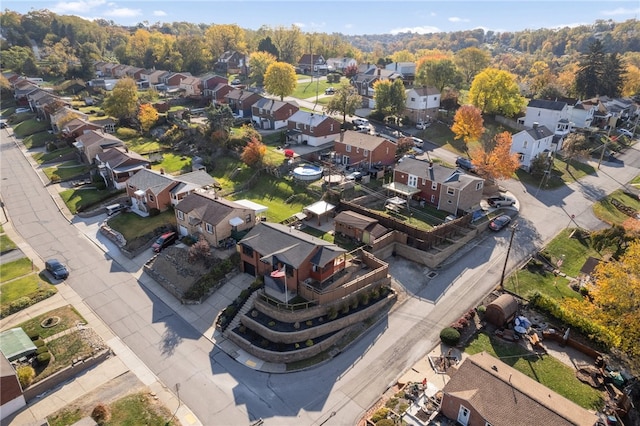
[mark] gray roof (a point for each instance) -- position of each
(354, 219)
(289, 245)
(538, 132)
(544, 104)
(361, 140)
(209, 209)
(436, 173)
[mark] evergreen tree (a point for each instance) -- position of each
(599, 73)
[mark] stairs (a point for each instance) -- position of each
(243, 310)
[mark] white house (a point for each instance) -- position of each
(554, 115)
(581, 114)
(340, 64)
(530, 142)
(422, 103)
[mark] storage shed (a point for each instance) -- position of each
(501, 310)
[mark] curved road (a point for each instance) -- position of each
(221, 391)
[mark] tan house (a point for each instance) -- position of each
(486, 391)
(216, 219)
(357, 226)
(116, 165)
(93, 142)
(191, 86)
(364, 150)
(450, 190)
(63, 115)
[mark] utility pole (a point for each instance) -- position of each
(504, 268)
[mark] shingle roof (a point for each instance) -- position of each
(354, 219)
(504, 396)
(538, 132)
(207, 208)
(544, 104)
(361, 140)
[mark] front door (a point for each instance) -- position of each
(463, 416)
(345, 159)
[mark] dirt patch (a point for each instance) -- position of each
(173, 264)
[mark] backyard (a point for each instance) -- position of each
(68, 315)
(20, 284)
(606, 211)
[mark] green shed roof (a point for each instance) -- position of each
(14, 343)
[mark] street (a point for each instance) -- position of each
(221, 391)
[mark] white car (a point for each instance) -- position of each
(501, 201)
(363, 129)
(361, 122)
(21, 110)
(422, 126)
(417, 141)
(626, 132)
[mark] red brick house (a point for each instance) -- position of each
(116, 165)
(312, 64)
(312, 129)
(240, 101)
(11, 398)
(363, 150)
(173, 79)
(218, 93)
(77, 127)
(486, 391)
(270, 114)
(450, 190)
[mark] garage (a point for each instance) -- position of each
(249, 268)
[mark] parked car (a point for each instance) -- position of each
(164, 240)
(57, 269)
(21, 110)
(625, 132)
(465, 164)
(355, 176)
(115, 208)
(499, 222)
(501, 201)
(422, 126)
(417, 141)
(363, 129)
(3, 124)
(329, 91)
(236, 82)
(361, 122)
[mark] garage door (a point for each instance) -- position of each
(249, 268)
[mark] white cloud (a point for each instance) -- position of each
(620, 11)
(418, 30)
(299, 25)
(123, 12)
(159, 13)
(64, 7)
(457, 19)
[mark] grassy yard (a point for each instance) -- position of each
(30, 126)
(15, 269)
(606, 211)
(306, 90)
(37, 140)
(274, 157)
(43, 157)
(172, 163)
(143, 144)
(635, 181)
(64, 350)
(65, 171)
(130, 225)
(69, 318)
(22, 287)
(6, 244)
(547, 370)
(230, 172)
(79, 199)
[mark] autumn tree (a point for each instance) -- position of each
(254, 153)
(351, 70)
(122, 102)
(437, 73)
(288, 41)
(147, 116)
(632, 81)
(575, 146)
(280, 79)
(613, 240)
(390, 97)
(471, 61)
(496, 92)
(599, 73)
(468, 124)
(267, 46)
(221, 38)
(403, 56)
(497, 162)
(345, 101)
(258, 64)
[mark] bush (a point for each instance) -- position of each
(309, 343)
(385, 422)
(34, 335)
(39, 343)
(450, 336)
(26, 374)
(43, 359)
(153, 212)
(42, 349)
(482, 310)
(380, 414)
(101, 414)
(332, 313)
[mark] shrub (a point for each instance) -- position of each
(39, 343)
(345, 308)
(309, 343)
(242, 329)
(482, 310)
(153, 212)
(33, 335)
(380, 414)
(254, 313)
(332, 313)
(26, 374)
(363, 298)
(43, 359)
(385, 422)
(272, 323)
(450, 336)
(391, 403)
(296, 325)
(101, 414)
(309, 323)
(42, 349)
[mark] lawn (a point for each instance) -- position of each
(43, 157)
(230, 172)
(37, 140)
(318, 233)
(131, 226)
(607, 212)
(574, 251)
(22, 287)
(172, 163)
(15, 269)
(547, 370)
(6, 244)
(306, 90)
(79, 199)
(65, 171)
(143, 144)
(30, 126)
(635, 181)
(69, 318)
(273, 157)
(525, 282)
(64, 350)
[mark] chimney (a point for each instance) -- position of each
(535, 124)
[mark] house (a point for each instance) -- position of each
(210, 80)
(581, 113)
(232, 62)
(172, 79)
(340, 64)
(312, 64)
(218, 93)
(554, 115)
(240, 101)
(116, 165)
(362, 150)
(92, 142)
(529, 143)
(191, 86)
(63, 115)
(357, 226)
(134, 72)
(449, 190)
(312, 129)
(406, 69)
(270, 114)
(214, 218)
(149, 189)
(152, 77)
(21, 88)
(486, 391)
(364, 81)
(119, 71)
(11, 397)
(422, 104)
(76, 127)
(107, 124)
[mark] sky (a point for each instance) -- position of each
(352, 17)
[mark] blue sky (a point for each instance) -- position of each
(355, 17)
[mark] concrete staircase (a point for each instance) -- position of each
(243, 310)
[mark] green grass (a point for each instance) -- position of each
(66, 417)
(307, 90)
(575, 251)
(547, 370)
(37, 140)
(131, 226)
(138, 409)
(21, 287)
(1, 229)
(68, 315)
(635, 181)
(607, 212)
(42, 157)
(524, 283)
(65, 171)
(6, 244)
(273, 157)
(30, 127)
(318, 233)
(172, 163)
(143, 144)
(225, 167)
(15, 269)
(64, 350)
(79, 199)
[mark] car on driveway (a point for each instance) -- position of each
(22, 110)
(57, 269)
(499, 222)
(465, 164)
(360, 122)
(3, 124)
(625, 132)
(422, 126)
(164, 241)
(417, 141)
(356, 176)
(501, 201)
(329, 91)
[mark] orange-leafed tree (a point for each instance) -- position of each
(148, 116)
(497, 162)
(468, 124)
(254, 152)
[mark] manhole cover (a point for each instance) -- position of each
(432, 274)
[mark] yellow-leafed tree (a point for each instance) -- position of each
(498, 162)
(254, 152)
(468, 124)
(280, 79)
(148, 116)
(496, 91)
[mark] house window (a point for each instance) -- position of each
(180, 215)
(151, 198)
(451, 191)
(365, 152)
(524, 145)
(209, 228)
(412, 181)
(413, 99)
(347, 148)
(434, 185)
(357, 150)
(247, 251)
(433, 199)
(247, 219)
(331, 127)
(478, 186)
(311, 129)
(435, 98)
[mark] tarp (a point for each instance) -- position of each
(258, 208)
(320, 207)
(236, 221)
(14, 343)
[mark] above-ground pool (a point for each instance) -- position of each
(307, 172)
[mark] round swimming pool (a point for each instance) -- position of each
(307, 172)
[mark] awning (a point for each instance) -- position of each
(258, 208)
(401, 189)
(236, 221)
(320, 207)
(139, 193)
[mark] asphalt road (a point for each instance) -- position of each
(221, 391)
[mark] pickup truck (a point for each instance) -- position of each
(501, 201)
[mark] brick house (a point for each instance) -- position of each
(116, 165)
(486, 391)
(240, 101)
(149, 189)
(450, 190)
(363, 150)
(11, 397)
(76, 127)
(312, 64)
(312, 129)
(214, 218)
(270, 114)
(91, 143)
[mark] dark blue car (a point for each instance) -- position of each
(57, 269)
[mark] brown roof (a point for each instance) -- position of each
(361, 140)
(208, 208)
(354, 219)
(504, 396)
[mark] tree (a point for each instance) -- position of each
(258, 64)
(288, 41)
(26, 374)
(437, 73)
(220, 118)
(122, 103)
(221, 38)
(148, 116)
(403, 56)
(280, 79)
(390, 97)
(253, 153)
(468, 124)
(498, 162)
(632, 81)
(615, 239)
(496, 92)
(599, 73)
(575, 146)
(267, 46)
(471, 61)
(345, 101)
(351, 70)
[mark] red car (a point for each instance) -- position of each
(164, 240)
(499, 222)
